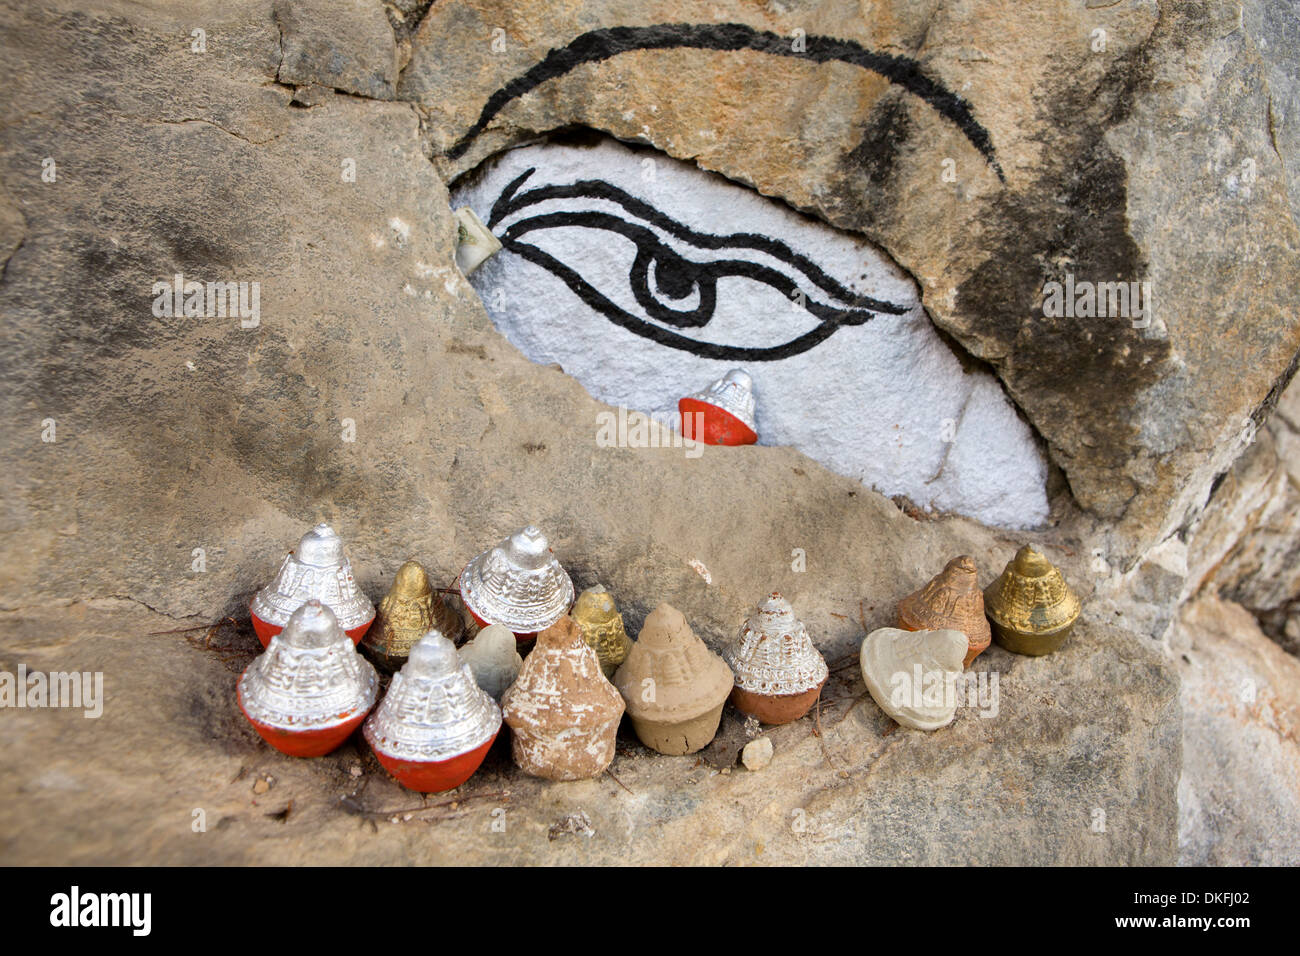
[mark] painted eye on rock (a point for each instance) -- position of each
(642, 259)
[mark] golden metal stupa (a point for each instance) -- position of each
(1030, 606)
(409, 610)
(602, 628)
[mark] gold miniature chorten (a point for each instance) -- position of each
(1030, 606)
(602, 628)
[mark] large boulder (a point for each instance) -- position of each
(990, 153)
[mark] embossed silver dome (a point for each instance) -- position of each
(434, 709)
(317, 569)
(310, 677)
(773, 654)
(518, 583)
(733, 393)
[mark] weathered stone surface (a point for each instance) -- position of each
(1239, 796)
(347, 46)
(365, 327)
(1023, 785)
(177, 433)
(1247, 544)
(1142, 153)
(180, 433)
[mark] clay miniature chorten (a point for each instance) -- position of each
(518, 583)
(435, 724)
(779, 671)
(310, 689)
(674, 686)
(493, 658)
(951, 599)
(318, 569)
(1031, 607)
(407, 612)
(562, 712)
(602, 626)
(912, 674)
(724, 411)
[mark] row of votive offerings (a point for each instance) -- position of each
(911, 670)
(445, 706)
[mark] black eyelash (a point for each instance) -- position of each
(507, 203)
(689, 274)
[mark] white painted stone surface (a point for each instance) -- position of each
(886, 402)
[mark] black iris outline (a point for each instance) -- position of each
(675, 276)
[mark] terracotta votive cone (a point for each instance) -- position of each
(673, 685)
(563, 713)
(952, 600)
(1030, 606)
(435, 724)
(493, 658)
(892, 658)
(318, 568)
(722, 414)
(409, 610)
(518, 583)
(602, 626)
(779, 671)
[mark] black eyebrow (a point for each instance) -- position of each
(597, 45)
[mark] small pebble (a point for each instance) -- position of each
(261, 785)
(757, 753)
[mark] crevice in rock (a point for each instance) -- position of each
(279, 39)
(1264, 409)
(1272, 134)
(15, 232)
(1281, 623)
(584, 137)
(4, 267)
(207, 122)
(405, 17)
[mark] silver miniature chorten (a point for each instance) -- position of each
(773, 654)
(517, 583)
(310, 678)
(434, 709)
(734, 394)
(318, 569)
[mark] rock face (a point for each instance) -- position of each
(1239, 794)
(1248, 548)
(1045, 167)
(334, 365)
(188, 450)
(343, 46)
